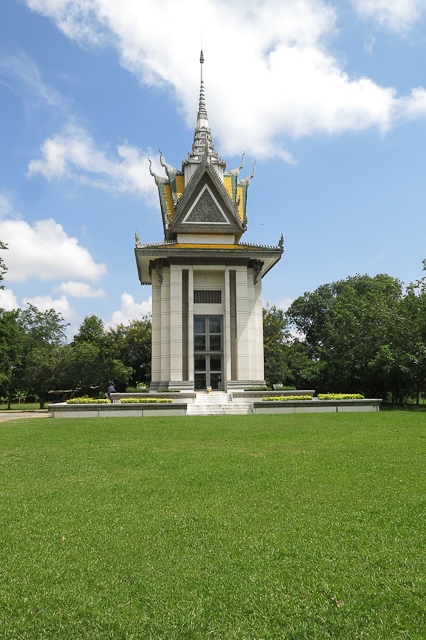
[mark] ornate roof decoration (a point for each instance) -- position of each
(177, 189)
(236, 172)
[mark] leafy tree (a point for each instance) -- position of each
(345, 324)
(132, 345)
(44, 369)
(12, 343)
(91, 330)
(276, 337)
(3, 267)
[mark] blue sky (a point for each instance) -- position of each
(329, 98)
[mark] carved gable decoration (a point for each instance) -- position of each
(205, 209)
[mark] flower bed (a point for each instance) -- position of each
(88, 401)
(286, 398)
(144, 400)
(340, 396)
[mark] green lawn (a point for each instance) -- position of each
(23, 406)
(263, 527)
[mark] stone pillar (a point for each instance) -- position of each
(175, 323)
(165, 326)
(260, 368)
(156, 329)
(242, 324)
(191, 324)
(227, 331)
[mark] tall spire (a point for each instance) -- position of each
(202, 111)
(203, 141)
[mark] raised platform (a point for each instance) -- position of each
(215, 403)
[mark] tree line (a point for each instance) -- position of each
(360, 335)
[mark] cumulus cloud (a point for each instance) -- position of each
(398, 15)
(44, 303)
(130, 310)
(8, 300)
(44, 250)
(79, 290)
(6, 207)
(275, 77)
(74, 154)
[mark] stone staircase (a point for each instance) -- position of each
(217, 403)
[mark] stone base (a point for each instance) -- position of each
(240, 385)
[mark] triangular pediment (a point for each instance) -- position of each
(205, 206)
(205, 209)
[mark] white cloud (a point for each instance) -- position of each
(269, 73)
(130, 310)
(398, 15)
(5, 206)
(369, 44)
(74, 154)
(44, 303)
(8, 300)
(22, 76)
(44, 250)
(79, 290)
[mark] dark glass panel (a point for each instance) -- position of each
(215, 324)
(216, 343)
(216, 381)
(199, 324)
(200, 364)
(200, 381)
(199, 343)
(215, 364)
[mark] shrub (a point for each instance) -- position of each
(137, 390)
(144, 400)
(168, 390)
(88, 401)
(285, 398)
(281, 387)
(259, 388)
(340, 396)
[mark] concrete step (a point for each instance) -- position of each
(230, 408)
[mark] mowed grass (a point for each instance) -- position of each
(296, 526)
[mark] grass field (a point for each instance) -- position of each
(23, 406)
(260, 527)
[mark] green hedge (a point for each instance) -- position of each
(340, 396)
(137, 390)
(259, 388)
(144, 400)
(282, 387)
(88, 401)
(168, 390)
(285, 398)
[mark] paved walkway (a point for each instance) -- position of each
(16, 415)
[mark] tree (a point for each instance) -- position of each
(3, 267)
(132, 345)
(276, 338)
(44, 368)
(12, 343)
(344, 325)
(91, 330)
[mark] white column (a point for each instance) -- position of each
(156, 329)
(191, 324)
(227, 330)
(175, 323)
(242, 324)
(260, 369)
(165, 326)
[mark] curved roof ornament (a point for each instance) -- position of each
(158, 179)
(167, 167)
(236, 172)
(247, 180)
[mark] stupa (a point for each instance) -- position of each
(207, 325)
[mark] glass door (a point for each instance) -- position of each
(208, 352)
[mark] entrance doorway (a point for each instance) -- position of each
(208, 352)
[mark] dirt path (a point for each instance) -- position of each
(16, 415)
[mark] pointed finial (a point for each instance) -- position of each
(202, 111)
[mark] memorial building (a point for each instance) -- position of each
(207, 325)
